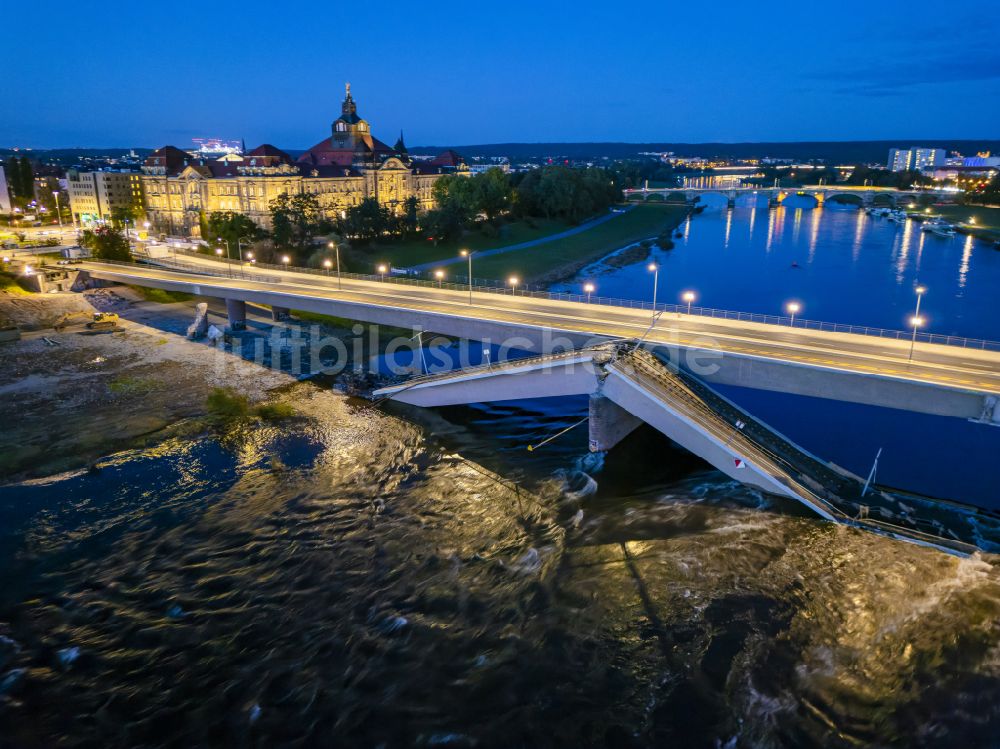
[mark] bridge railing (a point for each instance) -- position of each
(493, 286)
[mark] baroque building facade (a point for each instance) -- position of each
(341, 171)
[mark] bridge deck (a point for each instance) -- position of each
(448, 311)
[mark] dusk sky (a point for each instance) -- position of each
(453, 73)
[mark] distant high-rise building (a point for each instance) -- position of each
(915, 158)
(5, 206)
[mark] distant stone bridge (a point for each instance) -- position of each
(777, 195)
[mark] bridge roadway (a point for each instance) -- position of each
(944, 380)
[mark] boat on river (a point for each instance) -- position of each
(939, 227)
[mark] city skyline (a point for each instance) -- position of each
(526, 74)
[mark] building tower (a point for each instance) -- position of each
(348, 129)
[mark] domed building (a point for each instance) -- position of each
(341, 171)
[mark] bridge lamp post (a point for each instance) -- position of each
(336, 248)
(439, 275)
(382, 270)
(689, 297)
(468, 254)
(655, 270)
(916, 321)
(513, 281)
(589, 289)
(793, 309)
(285, 260)
(328, 264)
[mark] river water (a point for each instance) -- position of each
(842, 266)
(390, 577)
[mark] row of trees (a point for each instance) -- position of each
(555, 192)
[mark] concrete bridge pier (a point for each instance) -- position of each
(236, 311)
(609, 423)
(279, 314)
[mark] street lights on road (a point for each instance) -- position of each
(589, 289)
(468, 254)
(439, 275)
(513, 281)
(916, 321)
(689, 297)
(336, 247)
(793, 309)
(55, 194)
(382, 270)
(328, 264)
(655, 270)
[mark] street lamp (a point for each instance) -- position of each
(589, 289)
(439, 275)
(513, 281)
(328, 264)
(916, 321)
(336, 247)
(286, 260)
(55, 194)
(655, 270)
(793, 309)
(688, 296)
(382, 270)
(468, 254)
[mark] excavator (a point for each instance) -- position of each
(98, 321)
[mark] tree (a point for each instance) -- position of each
(106, 243)
(295, 220)
(230, 227)
(410, 220)
(12, 172)
(26, 176)
(367, 220)
(492, 192)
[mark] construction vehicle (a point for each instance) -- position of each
(98, 321)
(103, 321)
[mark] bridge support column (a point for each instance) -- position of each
(280, 313)
(609, 423)
(236, 311)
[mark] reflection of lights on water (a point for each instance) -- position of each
(963, 268)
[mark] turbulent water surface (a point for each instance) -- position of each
(353, 581)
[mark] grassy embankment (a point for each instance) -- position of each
(560, 258)
(406, 252)
(987, 220)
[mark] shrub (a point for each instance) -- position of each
(226, 405)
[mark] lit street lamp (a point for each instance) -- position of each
(439, 275)
(589, 289)
(655, 270)
(468, 254)
(286, 260)
(513, 281)
(688, 296)
(328, 264)
(382, 270)
(793, 309)
(916, 322)
(336, 247)
(55, 194)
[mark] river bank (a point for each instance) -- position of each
(77, 395)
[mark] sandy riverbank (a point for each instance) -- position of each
(68, 398)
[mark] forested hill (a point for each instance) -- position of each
(847, 152)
